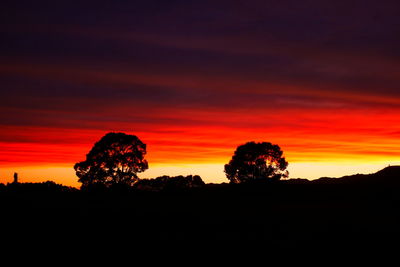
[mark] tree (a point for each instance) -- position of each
(254, 161)
(115, 159)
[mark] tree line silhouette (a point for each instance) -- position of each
(117, 158)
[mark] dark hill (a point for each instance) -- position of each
(389, 176)
(391, 171)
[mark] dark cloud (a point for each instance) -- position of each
(215, 55)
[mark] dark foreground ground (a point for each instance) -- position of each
(288, 216)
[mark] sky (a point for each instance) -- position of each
(195, 79)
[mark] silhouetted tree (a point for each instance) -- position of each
(253, 161)
(114, 160)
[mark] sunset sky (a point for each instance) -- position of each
(195, 79)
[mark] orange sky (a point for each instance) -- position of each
(317, 143)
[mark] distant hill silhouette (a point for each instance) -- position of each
(387, 176)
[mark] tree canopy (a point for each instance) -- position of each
(115, 159)
(255, 161)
